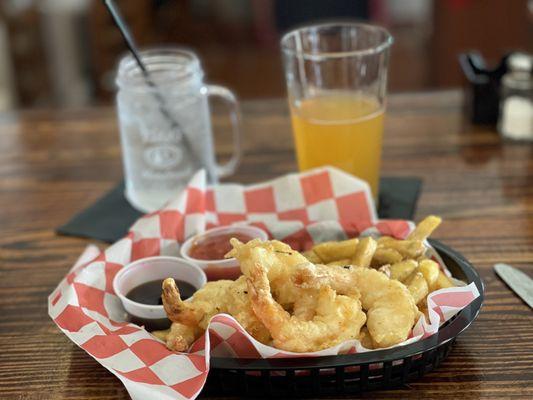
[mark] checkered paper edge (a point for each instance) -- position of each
(86, 309)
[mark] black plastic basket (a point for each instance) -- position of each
(351, 373)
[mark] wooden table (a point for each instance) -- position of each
(53, 164)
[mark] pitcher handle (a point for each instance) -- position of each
(235, 115)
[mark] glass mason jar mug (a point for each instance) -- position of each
(165, 126)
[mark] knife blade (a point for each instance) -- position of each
(518, 281)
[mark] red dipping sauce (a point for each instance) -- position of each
(215, 247)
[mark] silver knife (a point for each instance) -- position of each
(518, 281)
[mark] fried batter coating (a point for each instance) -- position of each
(337, 318)
(180, 336)
(190, 318)
(391, 310)
(366, 339)
(279, 261)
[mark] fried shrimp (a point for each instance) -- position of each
(391, 310)
(279, 261)
(362, 288)
(180, 336)
(190, 318)
(337, 318)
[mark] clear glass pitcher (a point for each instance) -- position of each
(165, 125)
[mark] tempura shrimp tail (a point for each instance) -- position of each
(264, 306)
(177, 310)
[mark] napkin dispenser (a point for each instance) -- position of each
(483, 90)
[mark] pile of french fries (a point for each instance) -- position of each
(403, 260)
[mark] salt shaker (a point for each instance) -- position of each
(516, 101)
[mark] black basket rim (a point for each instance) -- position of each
(448, 332)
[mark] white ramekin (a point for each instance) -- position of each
(226, 268)
(151, 269)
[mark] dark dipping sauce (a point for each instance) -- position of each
(150, 293)
(215, 247)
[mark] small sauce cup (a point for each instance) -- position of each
(139, 272)
(221, 268)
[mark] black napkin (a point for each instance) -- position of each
(398, 197)
(111, 216)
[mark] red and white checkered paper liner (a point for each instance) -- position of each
(300, 209)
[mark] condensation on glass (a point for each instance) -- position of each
(165, 126)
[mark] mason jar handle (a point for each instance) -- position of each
(235, 115)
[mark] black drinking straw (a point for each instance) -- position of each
(130, 44)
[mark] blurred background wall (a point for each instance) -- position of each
(63, 53)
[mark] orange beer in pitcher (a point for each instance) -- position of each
(336, 80)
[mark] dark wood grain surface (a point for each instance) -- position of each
(55, 164)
